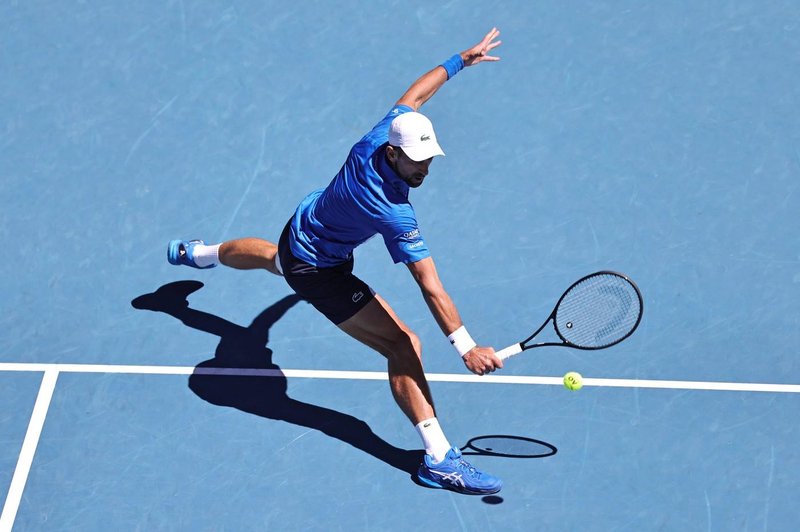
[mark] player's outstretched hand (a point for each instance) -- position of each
(482, 360)
(480, 52)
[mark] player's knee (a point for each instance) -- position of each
(410, 342)
(406, 346)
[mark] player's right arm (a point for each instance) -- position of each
(479, 360)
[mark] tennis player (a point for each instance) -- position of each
(314, 254)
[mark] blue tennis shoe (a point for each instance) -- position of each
(179, 252)
(456, 474)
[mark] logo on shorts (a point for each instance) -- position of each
(357, 297)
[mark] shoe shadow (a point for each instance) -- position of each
(242, 374)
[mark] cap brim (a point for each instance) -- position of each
(423, 152)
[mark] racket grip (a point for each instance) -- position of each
(509, 351)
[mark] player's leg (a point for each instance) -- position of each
(377, 326)
(249, 254)
(242, 254)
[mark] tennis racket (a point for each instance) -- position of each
(597, 311)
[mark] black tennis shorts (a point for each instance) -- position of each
(335, 292)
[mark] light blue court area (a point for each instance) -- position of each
(656, 139)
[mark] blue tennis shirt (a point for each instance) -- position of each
(364, 199)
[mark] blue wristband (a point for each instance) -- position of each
(453, 65)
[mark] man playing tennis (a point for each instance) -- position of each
(368, 196)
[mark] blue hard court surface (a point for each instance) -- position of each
(656, 139)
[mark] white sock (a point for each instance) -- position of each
(205, 255)
(436, 444)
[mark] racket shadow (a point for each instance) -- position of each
(243, 376)
(507, 446)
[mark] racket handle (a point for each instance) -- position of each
(509, 351)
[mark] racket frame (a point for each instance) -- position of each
(517, 348)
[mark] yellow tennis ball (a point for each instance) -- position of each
(573, 381)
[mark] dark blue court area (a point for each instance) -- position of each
(658, 139)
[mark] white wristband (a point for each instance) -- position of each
(462, 341)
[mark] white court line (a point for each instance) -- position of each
(377, 375)
(29, 445)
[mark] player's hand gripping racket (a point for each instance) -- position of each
(596, 312)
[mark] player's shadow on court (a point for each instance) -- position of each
(242, 375)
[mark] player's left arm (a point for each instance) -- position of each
(430, 82)
(479, 359)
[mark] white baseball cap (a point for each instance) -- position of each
(414, 133)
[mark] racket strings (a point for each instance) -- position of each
(599, 311)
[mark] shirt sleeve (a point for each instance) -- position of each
(380, 132)
(403, 238)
